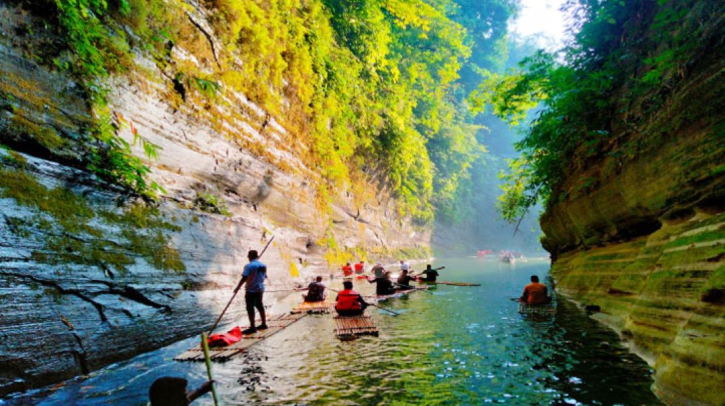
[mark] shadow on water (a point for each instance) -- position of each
(460, 345)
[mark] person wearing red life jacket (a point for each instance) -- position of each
(360, 267)
(347, 270)
(349, 302)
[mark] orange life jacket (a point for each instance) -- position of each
(348, 300)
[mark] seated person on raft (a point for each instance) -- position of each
(404, 281)
(360, 267)
(379, 271)
(535, 293)
(347, 270)
(315, 291)
(170, 391)
(430, 274)
(384, 285)
(349, 302)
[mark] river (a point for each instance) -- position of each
(454, 345)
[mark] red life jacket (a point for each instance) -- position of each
(347, 270)
(223, 340)
(348, 300)
(358, 267)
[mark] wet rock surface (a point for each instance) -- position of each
(90, 275)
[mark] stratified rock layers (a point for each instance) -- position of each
(665, 294)
(90, 276)
(640, 232)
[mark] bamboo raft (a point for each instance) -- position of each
(322, 307)
(348, 327)
(542, 310)
(453, 283)
(222, 354)
(382, 298)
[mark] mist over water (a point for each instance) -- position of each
(458, 345)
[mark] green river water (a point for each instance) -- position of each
(458, 345)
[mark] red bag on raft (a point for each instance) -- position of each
(226, 339)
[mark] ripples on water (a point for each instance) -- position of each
(459, 345)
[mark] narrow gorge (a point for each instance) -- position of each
(147, 145)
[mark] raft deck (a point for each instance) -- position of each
(322, 307)
(221, 354)
(544, 310)
(347, 327)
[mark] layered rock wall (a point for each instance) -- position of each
(90, 274)
(640, 232)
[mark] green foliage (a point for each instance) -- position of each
(98, 48)
(69, 231)
(373, 87)
(624, 61)
(369, 82)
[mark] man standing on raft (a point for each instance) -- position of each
(254, 275)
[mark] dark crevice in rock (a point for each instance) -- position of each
(179, 88)
(617, 292)
(718, 258)
(208, 38)
(64, 291)
(133, 294)
(80, 356)
(714, 296)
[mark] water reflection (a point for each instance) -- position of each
(459, 345)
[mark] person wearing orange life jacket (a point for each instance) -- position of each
(535, 293)
(347, 269)
(349, 302)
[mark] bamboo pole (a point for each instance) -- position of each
(205, 346)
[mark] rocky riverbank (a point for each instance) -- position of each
(640, 232)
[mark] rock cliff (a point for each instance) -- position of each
(90, 274)
(640, 232)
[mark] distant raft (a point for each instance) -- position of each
(541, 310)
(400, 293)
(322, 307)
(221, 354)
(456, 283)
(349, 327)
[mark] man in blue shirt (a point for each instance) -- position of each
(254, 275)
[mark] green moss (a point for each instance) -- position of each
(73, 232)
(44, 135)
(705, 236)
(13, 158)
(209, 203)
(690, 255)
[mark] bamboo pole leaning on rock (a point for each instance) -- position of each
(205, 346)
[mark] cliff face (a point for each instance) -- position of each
(640, 232)
(90, 274)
